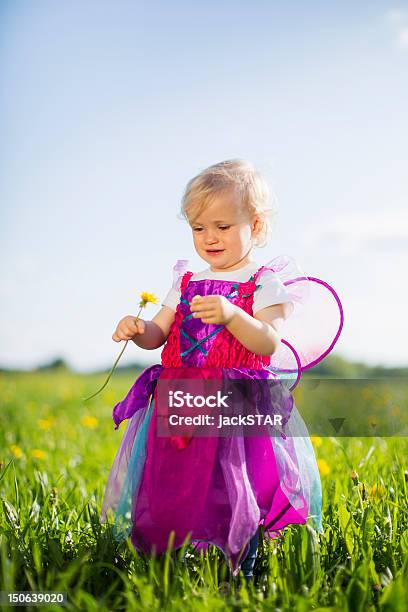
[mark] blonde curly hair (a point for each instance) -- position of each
(248, 183)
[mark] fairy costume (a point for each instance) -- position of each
(220, 489)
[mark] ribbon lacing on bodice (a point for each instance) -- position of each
(226, 351)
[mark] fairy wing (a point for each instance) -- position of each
(173, 296)
(313, 327)
(179, 269)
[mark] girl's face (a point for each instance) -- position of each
(223, 233)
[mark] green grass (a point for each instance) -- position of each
(53, 472)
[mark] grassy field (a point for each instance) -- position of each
(55, 456)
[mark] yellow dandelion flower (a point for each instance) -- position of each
(367, 393)
(323, 467)
(44, 424)
(316, 440)
(16, 451)
(372, 420)
(37, 453)
(377, 490)
(89, 421)
(147, 298)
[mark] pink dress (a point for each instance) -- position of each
(220, 489)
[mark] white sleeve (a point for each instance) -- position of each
(172, 299)
(272, 291)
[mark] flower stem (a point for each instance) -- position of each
(85, 399)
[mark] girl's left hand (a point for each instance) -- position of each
(215, 309)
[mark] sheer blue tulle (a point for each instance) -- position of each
(308, 472)
(123, 519)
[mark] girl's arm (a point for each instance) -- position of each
(258, 333)
(156, 331)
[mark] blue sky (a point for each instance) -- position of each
(108, 109)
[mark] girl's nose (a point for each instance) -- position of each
(211, 238)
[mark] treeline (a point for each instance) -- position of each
(336, 367)
(333, 366)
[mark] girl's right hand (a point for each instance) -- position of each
(127, 328)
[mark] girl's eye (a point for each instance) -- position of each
(221, 227)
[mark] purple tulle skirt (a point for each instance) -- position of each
(216, 489)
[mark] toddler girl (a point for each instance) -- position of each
(228, 321)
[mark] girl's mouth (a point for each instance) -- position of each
(215, 252)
